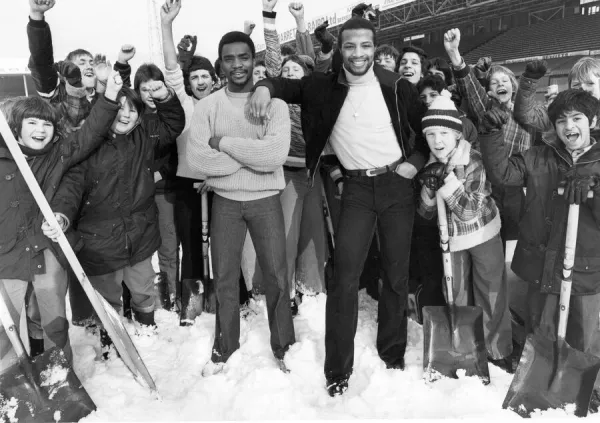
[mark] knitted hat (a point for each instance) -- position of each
(442, 114)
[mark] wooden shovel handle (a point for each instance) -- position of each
(445, 246)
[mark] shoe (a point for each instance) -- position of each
(294, 307)
(505, 364)
(337, 388)
(105, 344)
(398, 365)
(211, 368)
(36, 347)
(146, 319)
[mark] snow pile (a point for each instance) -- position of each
(253, 388)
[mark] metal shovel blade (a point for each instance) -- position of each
(551, 375)
(453, 340)
(44, 390)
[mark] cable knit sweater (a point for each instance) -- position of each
(249, 164)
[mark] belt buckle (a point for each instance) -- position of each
(371, 172)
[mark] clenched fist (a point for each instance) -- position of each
(493, 120)
(535, 69)
(432, 176)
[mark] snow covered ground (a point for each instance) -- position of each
(253, 388)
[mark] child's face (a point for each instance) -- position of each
(442, 142)
(410, 67)
(427, 96)
(36, 133)
(201, 83)
(259, 73)
(145, 94)
(292, 70)
(86, 65)
(591, 84)
(126, 118)
(573, 129)
(386, 61)
(501, 86)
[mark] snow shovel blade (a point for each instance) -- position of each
(542, 361)
(43, 390)
(445, 352)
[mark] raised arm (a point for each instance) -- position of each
(324, 57)
(527, 111)
(268, 153)
(168, 13)
(41, 58)
(273, 58)
(304, 44)
(126, 53)
(467, 83)
(170, 115)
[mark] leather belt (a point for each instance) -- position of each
(375, 171)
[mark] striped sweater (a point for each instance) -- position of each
(473, 217)
(248, 165)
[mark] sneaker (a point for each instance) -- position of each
(211, 368)
(337, 388)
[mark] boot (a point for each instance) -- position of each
(36, 347)
(161, 290)
(144, 318)
(126, 301)
(192, 300)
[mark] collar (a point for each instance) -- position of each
(365, 79)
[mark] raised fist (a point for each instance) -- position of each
(41, 6)
(186, 49)
(482, 67)
(249, 27)
(114, 83)
(126, 53)
(535, 69)
(432, 176)
(452, 40)
(169, 11)
(297, 10)
(493, 120)
(70, 72)
(158, 90)
(269, 5)
(324, 37)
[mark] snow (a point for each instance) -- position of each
(253, 388)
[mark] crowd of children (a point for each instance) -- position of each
(379, 133)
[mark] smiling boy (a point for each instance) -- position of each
(573, 162)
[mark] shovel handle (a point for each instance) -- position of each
(9, 325)
(204, 206)
(567, 272)
(445, 246)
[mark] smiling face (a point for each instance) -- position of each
(292, 70)
(410, 67)
(237, 66)
(85, 63)
(259, 73)
(573, 129)
(386, 61)
(358, 50)
(36, 133)
(126, 118)
(591, 84)
(501, 86)
(201, 83)
(442, 142)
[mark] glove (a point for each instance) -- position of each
(359, 9)
(184, 56)
(535, 69)
(324, 37)
(70, 72)
(493, 120)
(432, 175)
(578, 186)
(482, 67)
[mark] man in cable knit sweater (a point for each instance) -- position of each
(242, 158)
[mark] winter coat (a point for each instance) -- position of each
(321, 98)
(21, 239)
(539, 254)
(113, 193)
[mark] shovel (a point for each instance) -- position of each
(45, 389)
(330, 235)
(192, 290)
(108, 316)
(552, 374)
(453, 336)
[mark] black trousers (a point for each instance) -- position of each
(388, 202)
